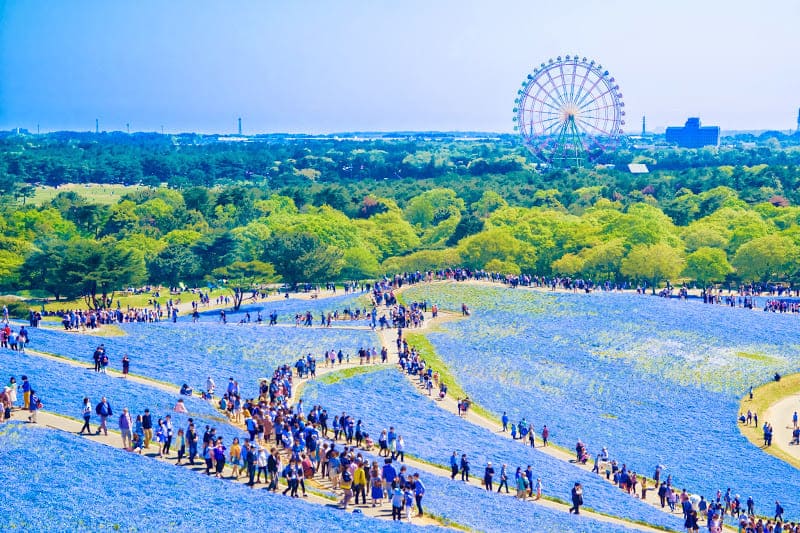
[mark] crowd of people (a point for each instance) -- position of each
(305, 446)
(15, 340)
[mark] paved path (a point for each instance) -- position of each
(114, 439)
(780, 416)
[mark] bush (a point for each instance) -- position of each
(16, 308)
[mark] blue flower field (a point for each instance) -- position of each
(189, 353)
(656, 381)
(385, 398)
(60, 482)
(62, 388)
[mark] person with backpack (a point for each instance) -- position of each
(464, 468)
(577, 499)
(346, 485)
(397, 503)
(34, 407)
(778, 511)
(104, 410)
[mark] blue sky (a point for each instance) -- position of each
(314, 66)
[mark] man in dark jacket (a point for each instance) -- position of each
(104, 410)
(577, 499)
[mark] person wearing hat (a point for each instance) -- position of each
(488, 477)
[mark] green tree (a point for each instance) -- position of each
(496, 243)
(98, 269)
(302, 257)
(468, 225)
(428, 208)
(42, 270)
(766, 258)
(358, 263)
(604, 258)
(569, 265)
(707, 265)
(174, 264)
(242, 276)
(653, 263)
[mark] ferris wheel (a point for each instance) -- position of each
(568, 111)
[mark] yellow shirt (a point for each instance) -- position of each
(359, 477)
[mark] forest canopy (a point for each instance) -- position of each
(306, 210)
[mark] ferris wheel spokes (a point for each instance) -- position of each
(569, 109)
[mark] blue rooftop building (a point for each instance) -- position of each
(693, 135)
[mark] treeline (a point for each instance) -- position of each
(342, 172)
(326, 210)
(70, 247)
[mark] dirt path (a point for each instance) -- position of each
(780, 416)
(388, 338)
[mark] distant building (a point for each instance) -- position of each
(693, 135)
(638, 168)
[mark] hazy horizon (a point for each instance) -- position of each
(332, 67)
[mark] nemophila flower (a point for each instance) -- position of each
(62, 388)
(287, 308)
(189, 353)
(64, 483)
(386, 398)
(656, 381)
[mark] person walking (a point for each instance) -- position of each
(545, 435)
(35, 405)
(138, 434)
(453, 465)
(250, 459)
(191, 439)
(359, 484)
(464, 468)
(126, 365)
(488, 477)
(181, 445)
(778, 511)
(522, 484)
(87, 415)
(503, 479)
(577, 499)
(104, 410)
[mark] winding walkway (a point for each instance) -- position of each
(64, 423)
